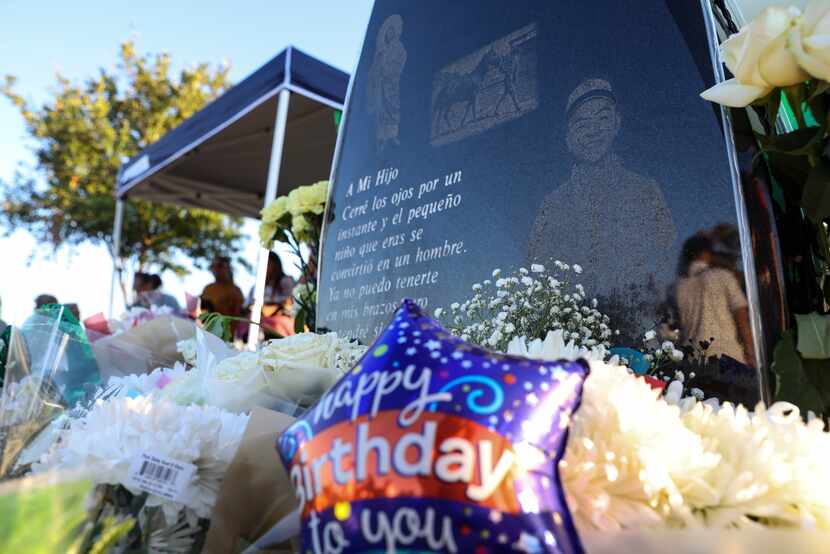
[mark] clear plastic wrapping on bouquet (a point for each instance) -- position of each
(142, 348)
(49, 368)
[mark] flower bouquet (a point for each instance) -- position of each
(49, 369)
(642, 456)
(157, 445)
(154, 461)
(780, 63)
(297, 219)
(283, 374)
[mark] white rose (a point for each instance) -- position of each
(300, 351)
(759, 58)
(809, 40)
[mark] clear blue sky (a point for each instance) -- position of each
(38, 39)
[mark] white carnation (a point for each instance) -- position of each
(105, 441)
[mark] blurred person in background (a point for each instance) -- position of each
(276, 303)
(41, 301)
(223, 296)
(3, 324)
(147, 292)
(44, 300)
(278, 285)
(711, 304)
(158, 297)
(141, 286)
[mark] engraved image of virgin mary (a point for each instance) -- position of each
(384, 94)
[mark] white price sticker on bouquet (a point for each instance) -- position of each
(160, 475)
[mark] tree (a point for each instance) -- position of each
(82, 135)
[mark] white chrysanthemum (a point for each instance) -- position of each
(630, 461)
(147, 383)
(553, 348)
(773, 469)
(105, 441)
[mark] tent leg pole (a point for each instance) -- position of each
(280, 123)
(116, 248)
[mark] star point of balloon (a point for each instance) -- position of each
(433, 444)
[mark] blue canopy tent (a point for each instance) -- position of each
(273, 131)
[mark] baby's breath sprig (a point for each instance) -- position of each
(530, 303)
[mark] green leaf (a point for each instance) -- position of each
(819, 88)
(790, 173)
(817, 113)
(815, 197)
(217, 324)
(796, 94)
(795, 143)
(299, 321)
(818, 374)
(813, 336)
(792, 384)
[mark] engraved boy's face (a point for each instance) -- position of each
(592, 129)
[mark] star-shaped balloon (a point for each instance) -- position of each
(432, 444)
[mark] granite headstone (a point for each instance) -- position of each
(482, 135)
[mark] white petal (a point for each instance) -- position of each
(732, 49)
(818, 46)
(816, 16)
(733, 94)
(812, 64)
(778, 66)
(817, 41)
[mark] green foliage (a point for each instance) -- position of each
(218, 324)
(799, 165)
(222, 325)
(82, 135)
(38, 517)
(805, 383)
(113, 530)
